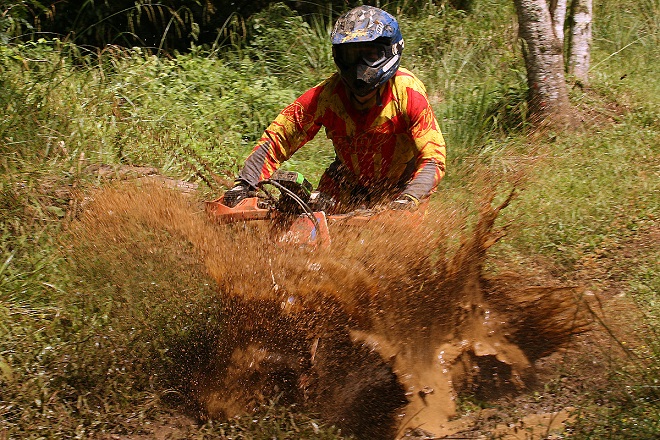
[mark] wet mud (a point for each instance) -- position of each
(377, 334)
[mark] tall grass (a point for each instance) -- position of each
(69, 334)
(109, 108)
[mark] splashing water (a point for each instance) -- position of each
(376, 334)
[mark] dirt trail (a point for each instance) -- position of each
(377, 334)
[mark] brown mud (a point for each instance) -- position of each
(378, 334)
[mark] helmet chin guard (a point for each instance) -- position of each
(366, 46)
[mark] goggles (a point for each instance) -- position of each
(370, 54)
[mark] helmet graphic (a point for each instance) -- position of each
(366, 46)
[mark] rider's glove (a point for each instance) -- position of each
(405, 202)
(319, 201)
(240, 191)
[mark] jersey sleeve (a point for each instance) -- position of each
(296, 124)
(430, 144)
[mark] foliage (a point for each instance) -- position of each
(163, 25)
(70, 333)
(289, 47)
(115, 110)
(15, 18)
(477, 97)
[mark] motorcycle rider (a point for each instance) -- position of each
(388, 145)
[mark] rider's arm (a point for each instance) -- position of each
(294, 126)
(429, 142)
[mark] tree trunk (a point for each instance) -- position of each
(580, 42)
(544, 59)
(558, 15)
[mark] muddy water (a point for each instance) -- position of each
(378, 333)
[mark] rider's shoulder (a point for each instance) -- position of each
(405, 77)
(406, 85)
(329, 83)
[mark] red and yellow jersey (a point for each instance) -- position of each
(397, 143)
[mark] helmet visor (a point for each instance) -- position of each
(351, 54)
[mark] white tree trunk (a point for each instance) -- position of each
(544, 59)
(580, 43)
(558, 14)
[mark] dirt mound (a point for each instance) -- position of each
(376, 334)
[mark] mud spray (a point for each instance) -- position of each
(377, 334)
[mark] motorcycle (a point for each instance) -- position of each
(286, 201)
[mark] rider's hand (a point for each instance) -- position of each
(320, 201)
(405, 202)
(240, 191)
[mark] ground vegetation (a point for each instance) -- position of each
(105, 306)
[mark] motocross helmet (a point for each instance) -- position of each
(366, 46)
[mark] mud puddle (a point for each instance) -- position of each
(377, 334)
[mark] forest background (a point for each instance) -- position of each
(187, 87)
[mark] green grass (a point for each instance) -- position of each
(72, 332)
